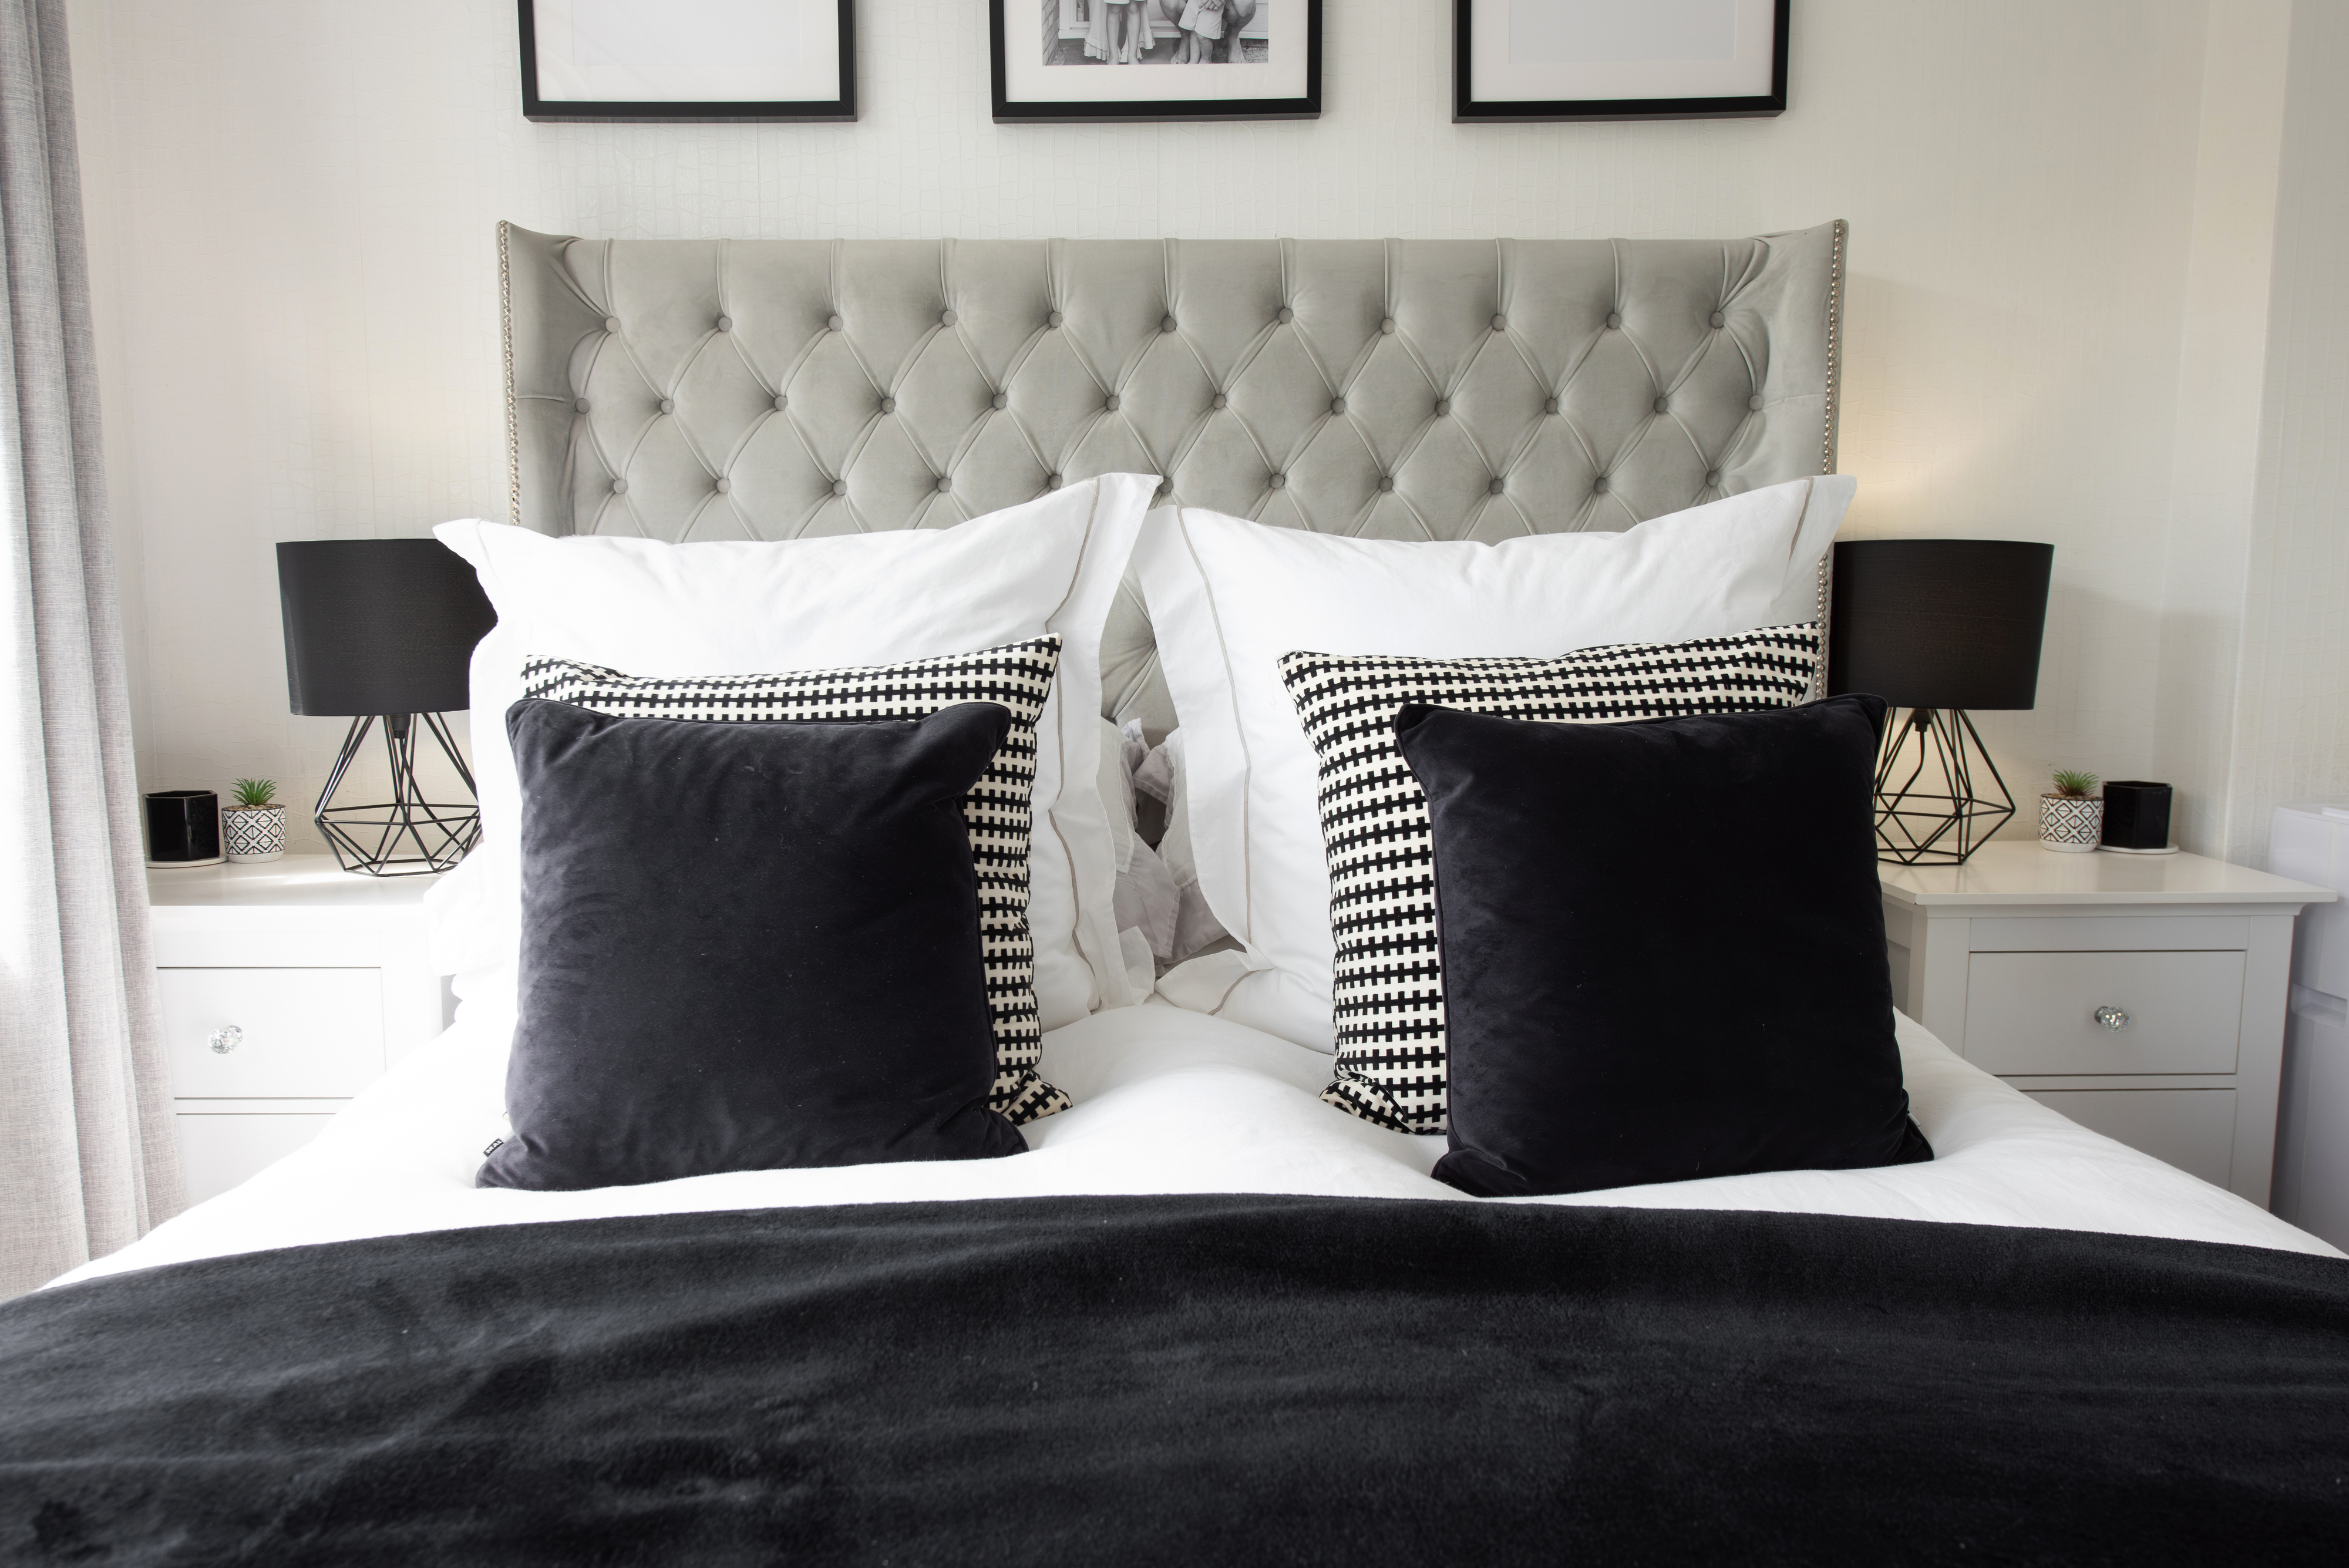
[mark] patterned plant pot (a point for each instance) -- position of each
(254, 832)
(2072, 823)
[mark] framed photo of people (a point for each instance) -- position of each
(1073, 61)
(1617, 60)
(670, 60)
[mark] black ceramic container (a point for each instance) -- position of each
(184, 827)
(2136, 815)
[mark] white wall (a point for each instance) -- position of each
(2292, 712)
(293, 203)
(2222, 367)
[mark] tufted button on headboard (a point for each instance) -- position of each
(690, 389)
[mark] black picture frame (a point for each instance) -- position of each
(1467, 109)
(1113, 111)
(572, 111)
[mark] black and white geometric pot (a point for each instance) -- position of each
(254, 832)
(2073, 825)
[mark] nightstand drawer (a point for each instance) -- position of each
(2034, 1013)
(290, 1034)
(2193, 1129)
(218, 1152)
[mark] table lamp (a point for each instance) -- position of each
(1938, 627)
(382, 631)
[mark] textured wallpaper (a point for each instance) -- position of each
(293, 206)
(2292, 718)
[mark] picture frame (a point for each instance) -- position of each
(1617, 60)
(687, 61)
(1123, 61)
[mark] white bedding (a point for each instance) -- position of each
(1174, 1101)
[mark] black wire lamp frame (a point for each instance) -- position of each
(406, 836)
(1917, 824)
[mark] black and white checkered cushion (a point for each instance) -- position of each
(1019, 676)
(1389, 993)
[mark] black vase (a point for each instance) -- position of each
(184, 827)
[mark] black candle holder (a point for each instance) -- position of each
(183, 828)
(2136, 816)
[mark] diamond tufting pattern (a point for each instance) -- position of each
(694, 389)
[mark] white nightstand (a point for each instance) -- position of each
(287, 986)
(2141, 995)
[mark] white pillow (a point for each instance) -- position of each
(737, 608)
(1227, 597)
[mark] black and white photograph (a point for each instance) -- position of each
(1156, 32)
(1247, 60)
(1617, 60)
(656, 61)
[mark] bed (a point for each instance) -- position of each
(1208, 1315)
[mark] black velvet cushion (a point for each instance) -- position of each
(746, 947)
(1663, 946)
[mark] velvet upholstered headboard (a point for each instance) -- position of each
(689, 389)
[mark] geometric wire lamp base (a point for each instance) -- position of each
(405, 836)
(1938, 793)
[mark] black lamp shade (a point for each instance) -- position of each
(1939, 623)
(378, 626)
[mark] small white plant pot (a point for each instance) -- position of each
(254, 832)
(2067, 823)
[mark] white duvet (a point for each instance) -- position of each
(1174, 1101)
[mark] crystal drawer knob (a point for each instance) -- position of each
(2112, 1018)
(226, 1038)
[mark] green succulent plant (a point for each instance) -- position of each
(254, 792)
(2074, 785)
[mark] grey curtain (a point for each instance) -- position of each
(87, 1156)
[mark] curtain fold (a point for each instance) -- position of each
(88, 1159)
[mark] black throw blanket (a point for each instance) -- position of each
(1196, 1380)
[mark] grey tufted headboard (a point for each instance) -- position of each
(1402, 388)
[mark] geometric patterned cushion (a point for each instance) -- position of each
(1018, 676)
(1388, 991)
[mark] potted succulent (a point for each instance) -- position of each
(2072, 818)
(254, 827)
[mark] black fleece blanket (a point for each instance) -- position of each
(1197, 1380)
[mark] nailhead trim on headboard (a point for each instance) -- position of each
(505, 332)
(1827, 436)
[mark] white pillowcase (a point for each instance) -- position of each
(1227, 597)
(737, 608)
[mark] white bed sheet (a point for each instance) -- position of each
(1174, 1101)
